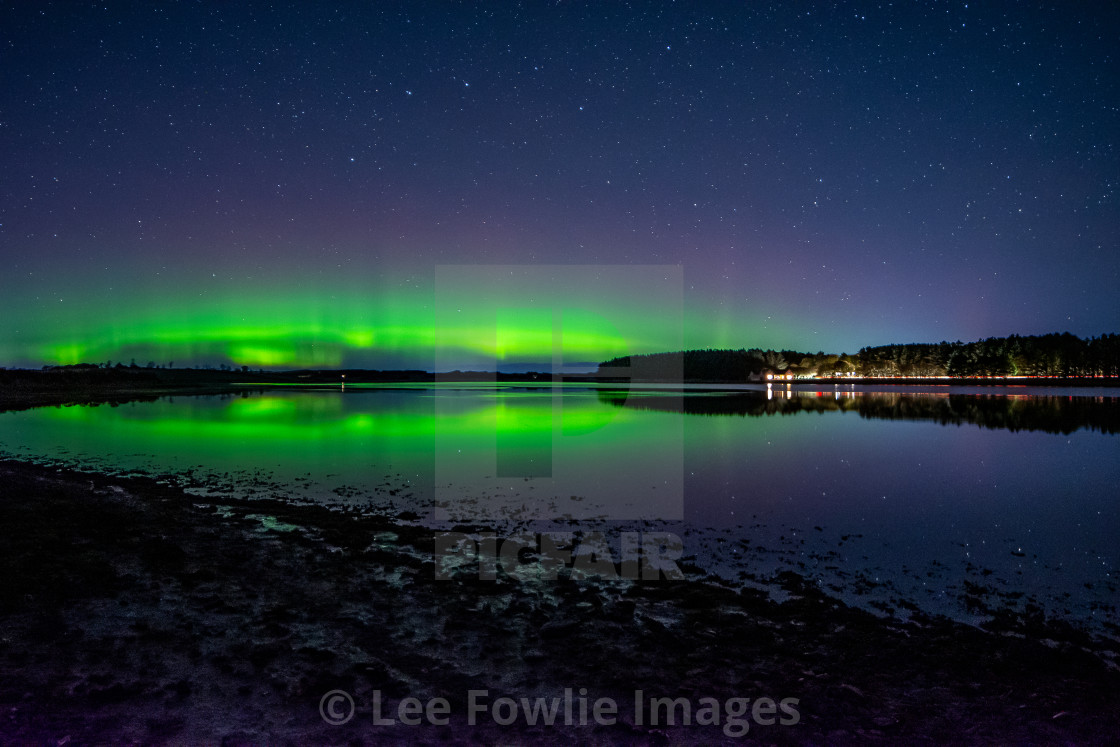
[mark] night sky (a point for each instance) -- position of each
(282, 186)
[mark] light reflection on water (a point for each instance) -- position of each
(897, 494)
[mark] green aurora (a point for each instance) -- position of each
(465, 320)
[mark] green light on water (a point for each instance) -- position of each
(447, 445)
(302, 416)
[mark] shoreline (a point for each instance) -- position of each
(135, 611)
(22, 389)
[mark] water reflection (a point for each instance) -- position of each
(914, 508)
(472, 453)
(1014, 412)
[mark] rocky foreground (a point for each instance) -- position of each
(134, 612)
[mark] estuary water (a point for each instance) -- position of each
(946, 500)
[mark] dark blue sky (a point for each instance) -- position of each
(828, 177)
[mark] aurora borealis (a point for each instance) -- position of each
(288, 185)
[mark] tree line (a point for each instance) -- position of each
(1036, 355)
(1045, 355)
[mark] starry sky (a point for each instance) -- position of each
(281, 185)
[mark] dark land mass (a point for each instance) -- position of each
(133, 612)
(1054, 355)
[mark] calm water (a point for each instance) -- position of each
(880, 496)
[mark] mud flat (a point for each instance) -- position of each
(132, 611)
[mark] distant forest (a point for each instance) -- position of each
(1045, 355)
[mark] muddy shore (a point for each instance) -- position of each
(132, 611)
